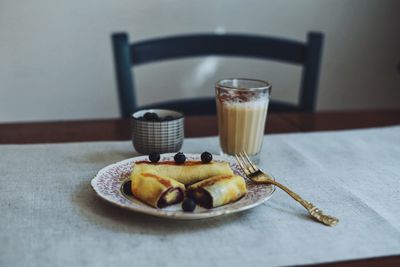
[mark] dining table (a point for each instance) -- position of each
(50, 216)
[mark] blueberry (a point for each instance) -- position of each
(151, 116)
(154, 157)
(206, 157)
(188, 205)
(180, 158)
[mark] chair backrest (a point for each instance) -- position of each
(306, 54)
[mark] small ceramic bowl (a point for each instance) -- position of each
(157, 136)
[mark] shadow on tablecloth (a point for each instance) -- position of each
(103, 214)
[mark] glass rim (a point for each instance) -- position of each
(267, 85)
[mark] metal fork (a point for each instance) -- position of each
(258, 176)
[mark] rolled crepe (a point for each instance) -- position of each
(157, 191)
(186, 173)
(217, 191)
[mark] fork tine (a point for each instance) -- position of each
(242, 165)
(244, 162)
(249, 162)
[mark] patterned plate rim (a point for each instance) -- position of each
(116, 197)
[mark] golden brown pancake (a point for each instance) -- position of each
(217, 191)
(156, 190)
(187, 173)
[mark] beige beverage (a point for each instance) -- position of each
(242, 112)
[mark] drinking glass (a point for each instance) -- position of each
(242, 106)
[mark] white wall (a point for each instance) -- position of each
(56, 59)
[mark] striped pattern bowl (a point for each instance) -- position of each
(157, 136)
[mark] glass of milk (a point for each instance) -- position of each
(242, 106)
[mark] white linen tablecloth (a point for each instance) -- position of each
(50, 216)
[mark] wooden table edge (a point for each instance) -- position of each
(195, 126)
(384, 261)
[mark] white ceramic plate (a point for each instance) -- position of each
(108, 183)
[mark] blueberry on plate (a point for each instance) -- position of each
(188, 205)
(206, 157)
(151, 116)
(154, 157)
(179, 158)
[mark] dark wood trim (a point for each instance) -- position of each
(112, 129)
(342, 120)
(195, 126)
(387, 261)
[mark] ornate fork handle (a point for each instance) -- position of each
(314, 211)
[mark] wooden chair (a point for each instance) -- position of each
(126, 55)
